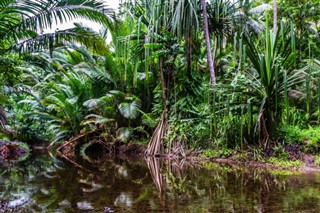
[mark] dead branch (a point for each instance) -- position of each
(66, 143)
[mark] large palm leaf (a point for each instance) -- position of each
(130, 108)
(78, 34)
(252, 19)
(22, 20)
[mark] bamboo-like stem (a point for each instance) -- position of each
(275, 17)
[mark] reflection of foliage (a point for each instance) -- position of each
(20, 179)
(51, 185)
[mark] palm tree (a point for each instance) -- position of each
(61, 88)
(251, 18)
(165, 25)
(273, 76)
(170, 28)
(23, 22)
(220, 17)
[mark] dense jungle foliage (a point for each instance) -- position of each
(219, 75)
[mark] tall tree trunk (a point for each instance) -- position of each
(275, 17)
(155, 146)
(189, 52)
(208, 45)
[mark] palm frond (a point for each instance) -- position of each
(21, 21)
(130, 110)
(260, 9)
(96, 119)
(79, 34)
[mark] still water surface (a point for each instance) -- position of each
(46, 184)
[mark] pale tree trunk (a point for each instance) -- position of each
(275, 17)
(208, 45)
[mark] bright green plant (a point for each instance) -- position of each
(284, 163)
(56, 94)
(117, 110)
(317, 161)
(23, 24)
(273, 75)
(309, 138)
(214, 153)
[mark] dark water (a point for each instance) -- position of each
(46, 184)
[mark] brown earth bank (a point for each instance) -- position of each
(198, 157)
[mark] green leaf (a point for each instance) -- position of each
(153, 46)
(124, 134)
(130, 110)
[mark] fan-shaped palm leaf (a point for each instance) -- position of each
(92, 103)
(96, 119)
(130, 110)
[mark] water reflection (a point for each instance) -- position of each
(156, 173)
(46, 184)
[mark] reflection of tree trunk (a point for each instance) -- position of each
(156, 174)
(208, 45)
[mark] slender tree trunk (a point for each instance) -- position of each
(215, 52)
(155, 147)
(208, 45)
(275, 17)
(189, 52)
